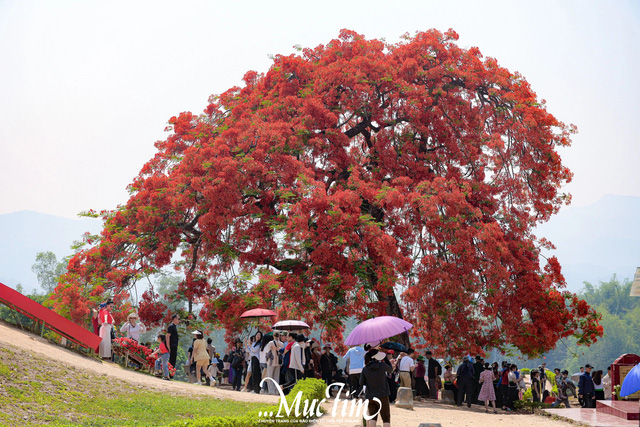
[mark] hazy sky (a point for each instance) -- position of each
(87, 87)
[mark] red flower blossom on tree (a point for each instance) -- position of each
(358, 178)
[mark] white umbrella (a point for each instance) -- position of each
(576, 377)
(290, 325)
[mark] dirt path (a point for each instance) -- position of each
(36, 344)
(430, 412)
(447, 415)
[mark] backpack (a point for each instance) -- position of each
(236, 363)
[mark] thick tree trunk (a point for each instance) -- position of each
(393, 309)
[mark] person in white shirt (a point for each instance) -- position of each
(407, 366)
(273, 362)
(132, 328)
(297, 360)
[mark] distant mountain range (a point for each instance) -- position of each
(593, 242)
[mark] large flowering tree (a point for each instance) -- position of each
(359, 178)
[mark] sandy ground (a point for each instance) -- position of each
(448, 415)
(424, 412)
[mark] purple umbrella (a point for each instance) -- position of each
(377, 329)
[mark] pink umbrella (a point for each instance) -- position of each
(377, 329)
(257, 312)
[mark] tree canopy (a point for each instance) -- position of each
(357, 178)
(48, 270)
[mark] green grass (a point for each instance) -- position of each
(35, 390)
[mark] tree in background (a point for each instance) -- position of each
(359, 178)
(48, 270)
(621, 326)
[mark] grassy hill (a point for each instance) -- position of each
(36, 390)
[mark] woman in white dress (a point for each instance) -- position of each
(106, 325)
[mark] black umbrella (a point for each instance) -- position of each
(395, 346)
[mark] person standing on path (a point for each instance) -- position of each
(422, 391)
(106, 326)
(200, 355)
(598, 386)
(434, 370)
(163, 357)
(535, 386)
(274, 361)
(478, 368)
(95, 317)
(543, 378)
(256, 371)
(465, 382)
(374, 380)
(354, 359)
(296, 364)
(586, 389)
(407, 366)
(606, 384)
(487, 389)
(172, 339)
(237, 364)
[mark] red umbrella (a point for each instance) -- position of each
(257, 312)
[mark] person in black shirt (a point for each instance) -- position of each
(434, 370)
(236, 360)
(172, 339)
(328, 365)
(478, 368)
(374, 379)
(535, 386)
(465, 382)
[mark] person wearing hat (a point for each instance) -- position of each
(316, 355)
(106, 326)
(200, 355)
(374, 380)
(421, 385)
(95, 317)
(328, 366)
(586, 389)
(132, 328)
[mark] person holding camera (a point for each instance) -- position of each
(132, 328)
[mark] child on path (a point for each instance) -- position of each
(163, 357)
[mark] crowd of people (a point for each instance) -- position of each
(370, 371)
